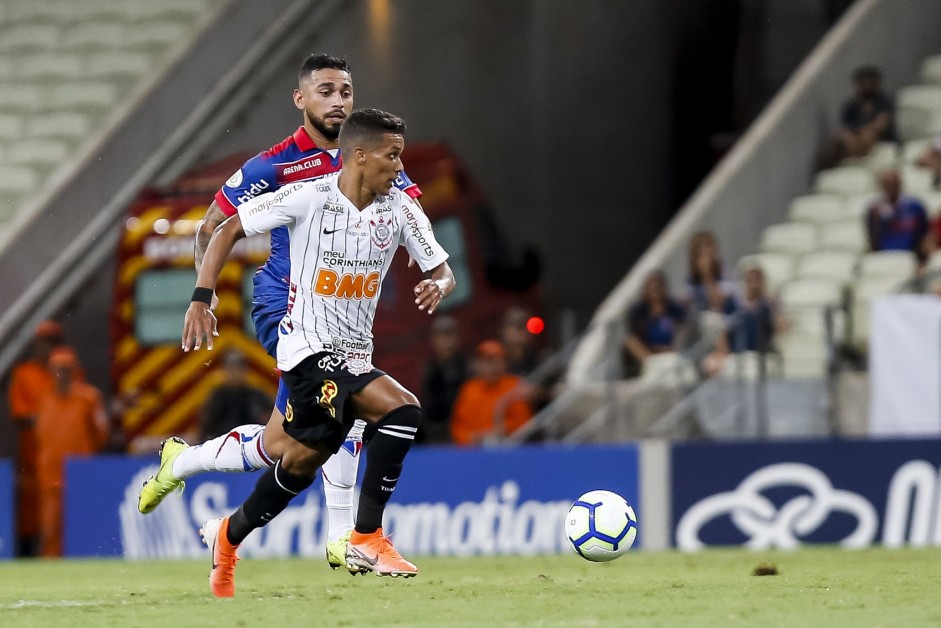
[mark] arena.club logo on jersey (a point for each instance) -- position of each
(380, 232)
(304, 169)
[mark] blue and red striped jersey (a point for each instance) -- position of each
(297, 158)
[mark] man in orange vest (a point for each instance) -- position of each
(29, 383)
(491, 404)
(71, 422)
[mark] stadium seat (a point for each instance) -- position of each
(17, 180)
(845, 181)
(28, 38)
(916, 180)
(802, 356)
(39, 11)
(898, 264)
(184, 10)
(20, 97)
(833, 265)
(793, 238)
(87, 96)
(883, 155)
(48, 67)
(746, 365)
(93, 36)
(931, 70)
(926, 97)
(812, 322)
(11, 127)
(123, 66)
(932, 202)
(811, 293)
(817, 208)
(848, 235)
(667, 369)
(38, 154)
(65, 125)
(156, 36)
(778, 268)
(913, 149)
(915, 123)
(857, 206)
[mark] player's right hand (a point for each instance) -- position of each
(199, 322)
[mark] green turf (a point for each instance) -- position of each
(815, 587)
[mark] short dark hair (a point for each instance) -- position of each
(320, 62)
(368, 124)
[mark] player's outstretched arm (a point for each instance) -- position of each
(200, 321)
(207, 226)
(439, 284)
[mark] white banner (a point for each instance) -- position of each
(905, 366)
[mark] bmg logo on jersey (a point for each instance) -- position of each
(329, 283)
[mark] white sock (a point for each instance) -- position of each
(240, 450)
(339, 478)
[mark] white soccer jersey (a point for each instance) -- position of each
(339, 257)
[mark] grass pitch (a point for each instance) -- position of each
(814, 587)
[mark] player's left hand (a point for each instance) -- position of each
(200, 322)
(428, 295)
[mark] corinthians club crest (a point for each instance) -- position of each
(380, 232)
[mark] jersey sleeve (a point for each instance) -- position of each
(286, 207)
(256, 176)
(407, 185)
(419, 239)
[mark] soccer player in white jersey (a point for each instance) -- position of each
(345, 229)
(325, 96)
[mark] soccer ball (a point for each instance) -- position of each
(601, 526)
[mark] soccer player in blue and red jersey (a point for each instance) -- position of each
(325, 96)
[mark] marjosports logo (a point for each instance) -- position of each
(782, 526)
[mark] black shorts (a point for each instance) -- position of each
(318, 389)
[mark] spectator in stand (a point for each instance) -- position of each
(895, 221)
(866, 118)
(492, 403)
(707, 290)
(654, 323)
(444, 373)
(755, 323)
(30, 382)
(522, 357)
(234, 402)
(71, 422)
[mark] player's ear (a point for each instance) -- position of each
(299, 99)
(360, 155)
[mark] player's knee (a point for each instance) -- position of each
(409, 399)
(300, 460)
(408, 415)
